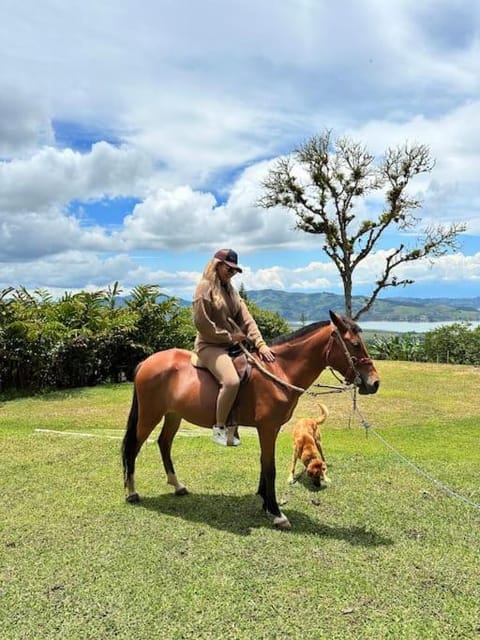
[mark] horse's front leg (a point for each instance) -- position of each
(170, 427)
(266, 487)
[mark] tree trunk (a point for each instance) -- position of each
(347, 290)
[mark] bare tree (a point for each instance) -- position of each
(322, 182)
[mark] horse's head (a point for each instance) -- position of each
(347, 354)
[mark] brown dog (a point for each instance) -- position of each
(307, 445)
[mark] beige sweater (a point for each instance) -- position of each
(213, 327)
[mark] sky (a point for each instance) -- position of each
(134, 137)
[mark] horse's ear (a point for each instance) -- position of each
(338, 321)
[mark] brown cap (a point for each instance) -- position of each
(230, 257)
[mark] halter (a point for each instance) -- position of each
(353, 361)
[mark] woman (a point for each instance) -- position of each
(216, 303)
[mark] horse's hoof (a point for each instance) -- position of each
(282, 523)
(133, 498)
(181, 491)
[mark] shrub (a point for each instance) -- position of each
(456, 343)
(397, 347)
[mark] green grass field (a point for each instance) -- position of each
(382, 553)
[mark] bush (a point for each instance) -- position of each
(85, 338)
(397, 347)
(456, 343)
(271, 325)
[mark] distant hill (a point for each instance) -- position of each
(310, 307)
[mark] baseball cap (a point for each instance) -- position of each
(229, 257)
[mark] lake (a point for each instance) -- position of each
(408, 327)
(399, 327)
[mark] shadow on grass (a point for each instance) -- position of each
(307, 483)
(241, 514)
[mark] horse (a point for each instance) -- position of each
(167, 385)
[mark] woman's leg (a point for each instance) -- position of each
(221, 365)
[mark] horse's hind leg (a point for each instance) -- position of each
(165, 440)
(138, 430)
(129, 466)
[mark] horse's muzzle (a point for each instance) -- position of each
(368, 386)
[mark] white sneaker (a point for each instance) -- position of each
(220, 436)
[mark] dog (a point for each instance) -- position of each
(307, 446)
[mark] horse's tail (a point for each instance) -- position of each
(129, 444)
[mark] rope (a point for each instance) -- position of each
(333, 388)
(268, 373)
(289, 385)
(285, 383)
(450, 492)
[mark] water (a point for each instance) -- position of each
(399, 327)
(408, 327)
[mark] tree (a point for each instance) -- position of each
(322, 181)
(243, 292)
(271, 325)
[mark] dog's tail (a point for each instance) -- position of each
(323, 413)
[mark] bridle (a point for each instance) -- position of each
(353, 361)
(329, 388)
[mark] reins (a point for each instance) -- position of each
(328, 388)
(352, 360)
(268, 373)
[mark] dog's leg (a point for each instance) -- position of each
(318, 442)
(320, 451)
(291, 477)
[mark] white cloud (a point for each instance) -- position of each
(198, 96)
(55, 177)
(24, 122)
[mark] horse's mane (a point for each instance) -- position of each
(351, 325)
(299, 332)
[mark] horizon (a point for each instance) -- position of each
(136, 163)
(123, 293)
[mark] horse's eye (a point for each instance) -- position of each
(356, 345)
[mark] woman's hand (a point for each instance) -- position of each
(266, 354)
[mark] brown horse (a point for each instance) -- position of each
(167, 385)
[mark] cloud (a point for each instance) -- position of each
(54, 177)
(24, 122)
(33, 235)
(199, 102)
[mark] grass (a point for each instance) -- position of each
(382, 553)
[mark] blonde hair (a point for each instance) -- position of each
(210, 274)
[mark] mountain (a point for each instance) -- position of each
(310, 307)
